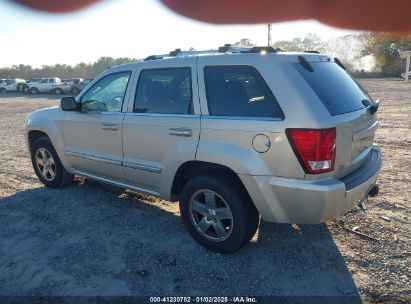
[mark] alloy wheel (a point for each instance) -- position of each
(45, 164)
(211, 215)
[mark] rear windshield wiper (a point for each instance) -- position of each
(374, 107)
(337, 61)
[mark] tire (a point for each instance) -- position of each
(234, 232)
(58, 91)
(34, 91)
(75, 91)
(41, 151)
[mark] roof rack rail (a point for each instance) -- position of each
(227, 48)
(260, 49)
(174, 53)
(312, 52)
(153, 57)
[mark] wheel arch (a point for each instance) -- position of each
(33, 135)
(193, 168)
(47, 123)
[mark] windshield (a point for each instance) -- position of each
(334, 86)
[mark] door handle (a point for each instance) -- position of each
(109, 126)
(180, 132)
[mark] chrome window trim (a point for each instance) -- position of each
(164, 115)
(256, 118)
(101, 113)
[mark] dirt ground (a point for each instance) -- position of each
(89, 239)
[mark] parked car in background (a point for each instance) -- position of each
(25, 86)
(20, 86)
(231, 136)
(2, 81)
(44, 86)
(76, 88)
(403, 75)
(66, 86)
(10, 85)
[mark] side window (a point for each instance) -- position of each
(164, 91)
(51, 80)
(44, 81)
(107, 94)
(239, 91)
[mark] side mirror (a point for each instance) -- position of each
(69, 104)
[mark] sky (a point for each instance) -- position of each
(124, 28)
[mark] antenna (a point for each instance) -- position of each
(269, 28)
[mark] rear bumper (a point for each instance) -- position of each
(296, 201)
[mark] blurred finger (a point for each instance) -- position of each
(56, 6)
(374, 15)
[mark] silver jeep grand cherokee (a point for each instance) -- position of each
(231, 134)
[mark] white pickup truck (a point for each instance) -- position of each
(10, 85)
(46, 85)
(66, 86)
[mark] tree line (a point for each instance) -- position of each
(376, 53)
(64, 71)
(381, 51)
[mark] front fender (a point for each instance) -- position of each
(50, 122)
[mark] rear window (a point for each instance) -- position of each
(337, 90)
(239, 91)
(164, 91)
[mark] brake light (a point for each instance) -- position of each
(314, 148)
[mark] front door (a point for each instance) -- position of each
(93, 142)
(43, 85)
(163, 129)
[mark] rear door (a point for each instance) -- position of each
(43, 85)
(162, 127)
(347, 103)
(242, 124)
(51, 83)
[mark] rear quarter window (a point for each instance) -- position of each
(239, 91)
(336, 89)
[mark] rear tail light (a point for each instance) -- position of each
(314, 148)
